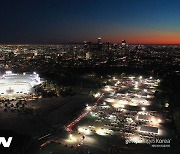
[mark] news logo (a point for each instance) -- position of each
(5, 143)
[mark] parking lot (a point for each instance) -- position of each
(124, 113)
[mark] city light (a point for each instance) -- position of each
(84, 130)
(143, 109)
(70, 136)
(103, 131)
(96, 95)
(90, 77)
(108, 88)
(88, 108)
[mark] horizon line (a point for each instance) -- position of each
(87, 41)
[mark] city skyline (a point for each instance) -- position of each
(56, 22)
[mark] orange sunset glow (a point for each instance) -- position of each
(150, 38)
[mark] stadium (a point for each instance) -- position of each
(12, 85)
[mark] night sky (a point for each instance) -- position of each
(65, 21)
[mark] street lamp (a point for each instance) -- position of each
(70, 136)
(145, 90)
(143, 109)
(159, 120)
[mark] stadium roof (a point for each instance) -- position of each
(33, 79)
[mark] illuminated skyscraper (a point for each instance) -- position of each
(123, 43)
(99, 44)
(99, 40)
(107, 46)
(85, 45)
(88, 55)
